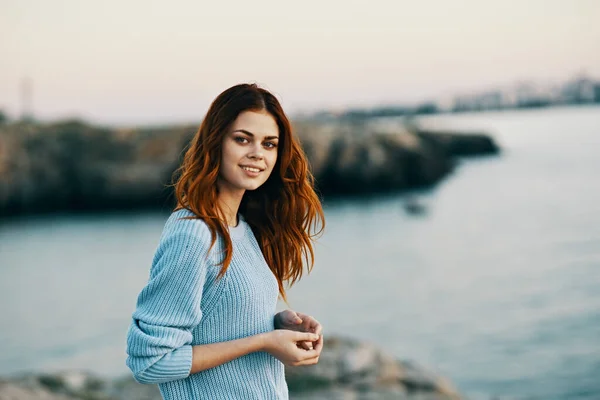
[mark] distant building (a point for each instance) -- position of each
(597, 92)
(580, 90)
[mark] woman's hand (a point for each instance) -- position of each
(299, 322)
(283, 345)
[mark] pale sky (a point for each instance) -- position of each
(145, 61)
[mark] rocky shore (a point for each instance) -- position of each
(347, 369)
(74, 166)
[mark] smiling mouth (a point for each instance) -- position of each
(251, 169)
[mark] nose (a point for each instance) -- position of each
(256, 154)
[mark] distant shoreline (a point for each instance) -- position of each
(365, 113)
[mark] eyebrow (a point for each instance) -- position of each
(252, 135)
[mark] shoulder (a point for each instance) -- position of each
(184, 223)
(183, 241)
(184, 232)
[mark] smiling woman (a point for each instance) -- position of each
(248, 158)
(205, 323)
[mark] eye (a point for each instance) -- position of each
(240, 139)
(270, 145)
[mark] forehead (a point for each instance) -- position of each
(259, 123)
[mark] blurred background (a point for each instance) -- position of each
(455, 143)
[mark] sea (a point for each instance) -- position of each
(491, 278)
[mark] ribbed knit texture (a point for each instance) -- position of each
(184, 304)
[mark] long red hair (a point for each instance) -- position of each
(284, 213)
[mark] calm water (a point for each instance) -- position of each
(497, 286)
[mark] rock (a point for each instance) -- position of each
(68, 384)
(359, 159)
(12, 391)
(461, 144)
(413, 206)
(349, 369)
(128, 389)
(74, 166)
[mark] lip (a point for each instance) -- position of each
(251, 174)
(252, 166)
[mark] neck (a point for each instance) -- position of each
(229, 202)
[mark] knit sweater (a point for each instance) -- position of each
(184, 304)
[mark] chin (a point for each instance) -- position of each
(253, 187)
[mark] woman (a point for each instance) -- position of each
(205, 325)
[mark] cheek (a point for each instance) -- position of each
(272, 159)
(228, 161)
(229, 153)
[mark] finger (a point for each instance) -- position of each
(306, 345)
(309, 361)
(301, 354)
(311, 324)
(302, 315)
(318, 346)
(293, 317)
(307, 325)
(306, 336)
(317, 325)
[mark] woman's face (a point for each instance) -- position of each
(249, 152)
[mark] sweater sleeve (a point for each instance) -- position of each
(168, 308)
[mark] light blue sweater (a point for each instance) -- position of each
(184, 304)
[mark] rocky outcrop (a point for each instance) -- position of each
(347, 369)
(350, 369)
(74, 166)
(474, 144)
(361, 159)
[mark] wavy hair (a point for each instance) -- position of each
(284, 213)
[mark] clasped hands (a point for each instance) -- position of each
(298, 338)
